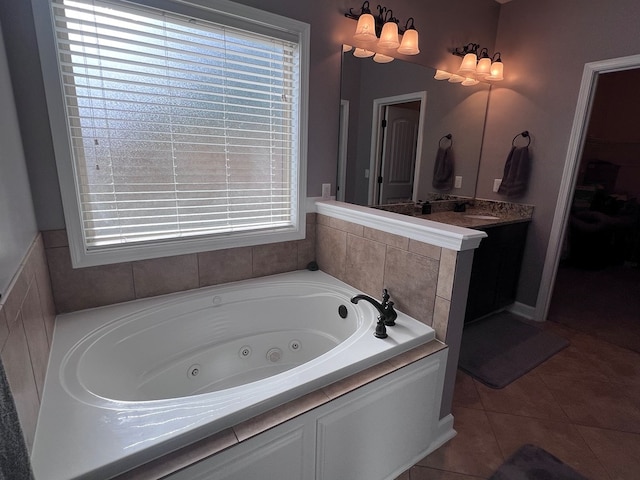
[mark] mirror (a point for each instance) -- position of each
(371, 92)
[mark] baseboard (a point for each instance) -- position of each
(523, 310)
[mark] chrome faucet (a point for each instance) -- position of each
(387, 315)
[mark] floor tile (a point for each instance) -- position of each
(596, 404)
(425, 473)
(561, 439)
(619, 452)
(474, 451)
(528, 396)
(466, 393)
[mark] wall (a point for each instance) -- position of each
(545, 44)
(17, 220)
(441, 27)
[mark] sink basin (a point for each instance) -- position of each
(483, 217)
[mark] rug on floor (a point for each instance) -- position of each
(533, 463)
(501, 348)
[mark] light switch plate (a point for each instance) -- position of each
(496, 184)
(326, 191)
(458, 182)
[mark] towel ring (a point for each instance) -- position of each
(524, 134)
(448, 137)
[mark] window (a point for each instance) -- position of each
(184, 131)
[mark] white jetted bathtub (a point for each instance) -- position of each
(129, 382)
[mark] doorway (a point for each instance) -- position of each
(591, 279)
(396, 148)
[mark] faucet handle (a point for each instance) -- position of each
(390, 315)
(385, 296)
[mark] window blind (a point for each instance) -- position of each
(179, 127)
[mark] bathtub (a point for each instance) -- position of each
(128, 383)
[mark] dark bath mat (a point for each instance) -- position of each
(500, 349)
(534, 463)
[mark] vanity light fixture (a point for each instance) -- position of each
(473, 69)
(382, 30)
(486, 68)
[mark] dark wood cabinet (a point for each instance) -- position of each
(496, 269)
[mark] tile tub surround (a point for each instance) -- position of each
(426, 268)
(77, 289)
(27, 315)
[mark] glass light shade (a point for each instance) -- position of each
(442, 75)
(366, 28)
(456, 79)
(483, 68)
(380, 58)
(346, 48)
(497, 72)
(389, 36)
(468, 65)
(409, 45)
(470, 81)
(362, 53)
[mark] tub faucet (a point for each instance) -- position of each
(387, 314)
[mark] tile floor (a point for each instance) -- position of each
(582, 405)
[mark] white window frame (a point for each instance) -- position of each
(219, 11)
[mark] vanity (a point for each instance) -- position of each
(498, 259)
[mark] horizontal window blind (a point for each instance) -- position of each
(178, 127)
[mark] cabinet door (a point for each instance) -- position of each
(284, 453)
(381, 428)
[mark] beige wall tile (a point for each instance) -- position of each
(76, 289)
(274, 258)
(36, 335)
(386, 238)
(222, 266)
(158, 276)
(441, 317)
(13, 298)
(343, 225)
(55, 238)
(446, 273)
(43, 281)
(331, 250)
(364, 267)
(424, 249)
(411, 280)
(17, 365)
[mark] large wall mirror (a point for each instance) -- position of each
(419, 112)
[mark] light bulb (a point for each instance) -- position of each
(389, 36)
(468, 65)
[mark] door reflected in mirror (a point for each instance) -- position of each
(392, 118)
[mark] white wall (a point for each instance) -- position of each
(17, 219)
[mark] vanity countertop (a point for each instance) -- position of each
(477, 218)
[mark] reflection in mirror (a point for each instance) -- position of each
(386, 165)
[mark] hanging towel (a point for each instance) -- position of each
(516, 172)
(14, 459)
(443, 169)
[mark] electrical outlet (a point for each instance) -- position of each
(496, 184)
(326, 191)
(458, 182)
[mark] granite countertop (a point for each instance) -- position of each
(471, 218)
(478, 214)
